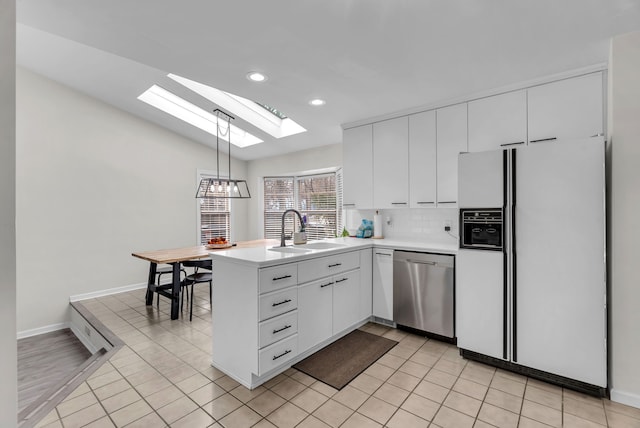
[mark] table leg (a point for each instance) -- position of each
(175, 299)
(151, 283)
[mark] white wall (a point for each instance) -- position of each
(95, 184)
(624, 130)
(8, 359)
(304, 160)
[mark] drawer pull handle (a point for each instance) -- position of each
(383, 254)
(425, 202)
(281, 329)
(542, 140)
(281, 303)
(275, 357)
(281, 277)
(326, 285)
(336, 264)
(398, 203)
(341, 280)
(447, 202)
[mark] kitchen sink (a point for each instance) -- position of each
(322, 245)
(290, 249)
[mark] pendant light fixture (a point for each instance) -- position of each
(223, 188)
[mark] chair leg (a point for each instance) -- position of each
(191, 310)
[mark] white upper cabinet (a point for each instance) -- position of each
(567, 109)
(390, 161)
(357, 167)
(498, 122)
(451, 133)
(422, 160)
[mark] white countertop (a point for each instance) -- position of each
(264, 257)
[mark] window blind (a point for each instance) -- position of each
(278, 197)
(214, 218)
(319, 197)
(316, 198)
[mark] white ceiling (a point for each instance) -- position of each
(366, 58)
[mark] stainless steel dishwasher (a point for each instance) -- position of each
(423, 292)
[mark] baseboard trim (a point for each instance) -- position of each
(42, 330)
(107, 292)
(627, 398)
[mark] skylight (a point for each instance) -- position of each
(259, 115)
(175, 106)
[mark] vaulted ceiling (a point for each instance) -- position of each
(366, 58)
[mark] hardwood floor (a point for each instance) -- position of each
(44, 360)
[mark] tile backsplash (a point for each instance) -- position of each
(412, 224)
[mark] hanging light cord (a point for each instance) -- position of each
(218, 133)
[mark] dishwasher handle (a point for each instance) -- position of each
(420, 262)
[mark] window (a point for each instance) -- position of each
(318, 197)
(214, 218)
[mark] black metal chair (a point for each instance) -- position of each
(197, 277)
(164, 270)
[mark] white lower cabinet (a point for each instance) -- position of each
(315, 300)
(383, 283)
(346, 294)
(277, 354)
(266, 319)
(278, 328)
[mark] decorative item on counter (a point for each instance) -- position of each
(377, 226)
(345, 232)
(301, 237)
(365, 230)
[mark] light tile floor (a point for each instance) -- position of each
(163, 377)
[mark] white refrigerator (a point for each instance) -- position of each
(539, 301)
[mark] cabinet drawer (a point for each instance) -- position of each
(277, 277)
(278, 328)
(278, 353)
(325, 266)
(277, 303)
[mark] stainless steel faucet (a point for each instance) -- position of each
(282, 243)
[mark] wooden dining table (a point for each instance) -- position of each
(176, 256)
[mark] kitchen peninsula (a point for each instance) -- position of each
(274, 306)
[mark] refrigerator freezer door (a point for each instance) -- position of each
(480, 302)
(481, 179)
(560, 260)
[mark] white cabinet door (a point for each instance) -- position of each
(315, 322)
(480, 303)
(422, 160)
(498, 122)
(451, 140)
(390, 163)
(567, 109)
(366, 281)
(357, 167)
(346, 297)
(383, 283)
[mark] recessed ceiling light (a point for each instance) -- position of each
(317, 102)
(256, 76)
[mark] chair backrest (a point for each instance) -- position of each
(201, 263)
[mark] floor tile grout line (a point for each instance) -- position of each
(161, 323)
(171, 383)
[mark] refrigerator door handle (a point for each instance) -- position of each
(514, 270)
